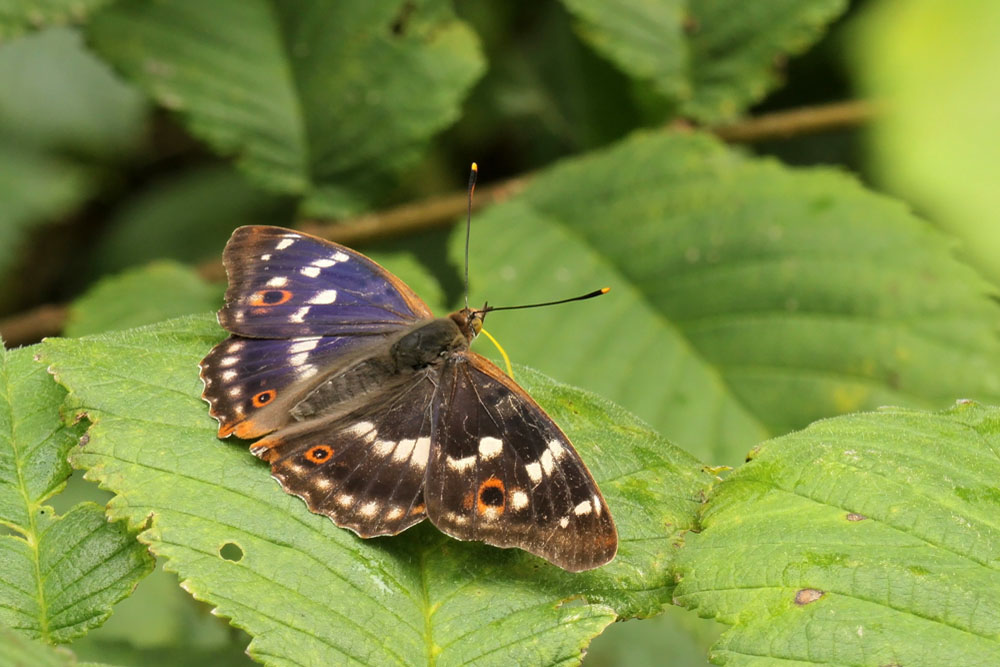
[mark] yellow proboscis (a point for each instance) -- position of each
(503, 353)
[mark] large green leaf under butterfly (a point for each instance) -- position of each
(414, 598)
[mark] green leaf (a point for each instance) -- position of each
(156, 292)
(935, 139)
(645, 39)
(735, 45)
(20, 16)
(747, 298)
(621, 345)
(713, 58)
(59, 575)
(869, 539)
(255, 553)
(67, 100)
(18, 650)
(314, 98)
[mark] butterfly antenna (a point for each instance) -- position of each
(589, 295)
(468, 228)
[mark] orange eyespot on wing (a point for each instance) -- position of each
(263, 398)
(492, 497)
(319, 454)
(270, 297)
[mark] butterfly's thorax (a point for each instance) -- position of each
(428, 344)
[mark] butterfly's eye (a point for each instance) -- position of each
(270, 297)
(319, 454)
(491, 496)
(263, 398)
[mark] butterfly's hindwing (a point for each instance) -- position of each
(501, 471)
(284, 284)
(364, 470)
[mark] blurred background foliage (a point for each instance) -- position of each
(135, 135)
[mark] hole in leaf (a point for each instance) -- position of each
(231, 551)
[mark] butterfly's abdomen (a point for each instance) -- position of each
(427, 344)
(342, 390)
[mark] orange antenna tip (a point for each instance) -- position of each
(605, 290)
(475, 167)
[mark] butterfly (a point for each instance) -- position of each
(378, 414)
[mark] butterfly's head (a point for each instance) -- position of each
(469, 321)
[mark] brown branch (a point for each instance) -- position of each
(443, 210)
(797, 122)
(33, 325)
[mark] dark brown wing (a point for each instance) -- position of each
(501, 471)
(364, 470)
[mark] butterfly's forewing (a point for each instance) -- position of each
(501, 471)
(364, 470)
(285, 284)
(298, 307)
(252, 383)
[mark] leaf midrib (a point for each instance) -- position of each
(428, 611)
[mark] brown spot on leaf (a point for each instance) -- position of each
(808, 595)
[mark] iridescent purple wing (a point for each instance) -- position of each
(285, 284)
(299, 308)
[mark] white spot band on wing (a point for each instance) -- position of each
(490, 447)
(325, 297)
